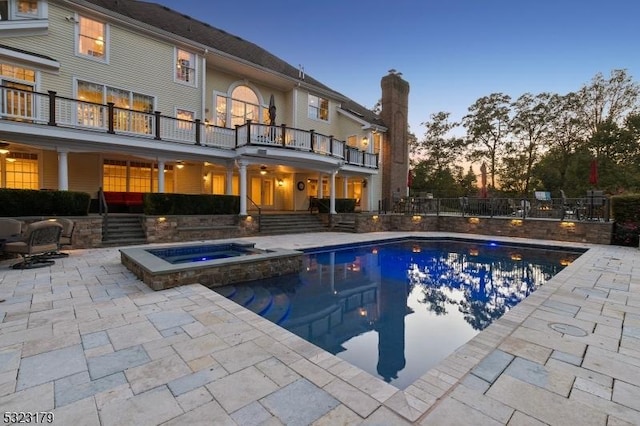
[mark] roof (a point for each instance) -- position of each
(174, 22)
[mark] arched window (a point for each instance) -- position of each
(244, 106)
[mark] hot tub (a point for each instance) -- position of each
(210, 264)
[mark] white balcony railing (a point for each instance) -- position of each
(48, 108)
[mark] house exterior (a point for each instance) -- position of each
(135, 97)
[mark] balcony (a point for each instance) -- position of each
(53, 110)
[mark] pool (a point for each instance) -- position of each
(397, 309)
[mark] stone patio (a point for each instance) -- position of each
(89, 342)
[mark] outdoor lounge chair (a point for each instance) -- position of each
(68, 226)
(41, 238)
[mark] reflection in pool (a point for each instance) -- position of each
(396, 310)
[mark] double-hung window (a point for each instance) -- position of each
(185, 67)
(318, 108)
(23, 17)
(92, 38)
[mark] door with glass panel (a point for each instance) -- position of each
(262, 191)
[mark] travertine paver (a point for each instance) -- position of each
(49, 366)
(299, 403)
(88, 341)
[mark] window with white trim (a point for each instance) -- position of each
(244, 106)
(92, 38)
(132, 110)
(11, 10)
(318, 108)
(185, 118)
(17, 84)
(21, 171)
(185, 67)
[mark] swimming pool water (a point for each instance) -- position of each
(203, 252)
(396, 310)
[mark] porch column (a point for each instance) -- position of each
(242, 167)
(320, 192)
(345, 187)
(229, 181)
(63, 170)
(370, 206)
(332, 193)
(161, 176)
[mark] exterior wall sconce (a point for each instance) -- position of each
(516, 222)
(365, 141)
(263, 170)
(474, 220)
(416, 249)
(280, 183)
(180, 165)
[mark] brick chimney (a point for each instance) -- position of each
(395, 150)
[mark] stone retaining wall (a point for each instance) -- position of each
(594, 232)
(167, 229)
(87, 232)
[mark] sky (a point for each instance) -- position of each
(452, 52)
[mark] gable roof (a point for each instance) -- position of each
(182, 25)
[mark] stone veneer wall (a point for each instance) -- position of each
(545, 229)
(87, 232)
(217, 276)
(166, 229)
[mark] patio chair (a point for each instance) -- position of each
(569, 211)
(10, 228)
(41, 238)
(66, 236)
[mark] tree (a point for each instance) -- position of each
(530, 130)
(566, 133)
(487, 127)
(609, 100)
(434, 157)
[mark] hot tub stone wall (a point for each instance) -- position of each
(216, 276)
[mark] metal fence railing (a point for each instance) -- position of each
(586, 208)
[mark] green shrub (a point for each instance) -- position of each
(30, 202)
(626, 212)
(190, 204)
(343, 205)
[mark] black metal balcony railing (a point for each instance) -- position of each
(578, 209)
(53, 110)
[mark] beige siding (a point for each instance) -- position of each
(49, 169)
(136, 63)
(190, 179)
(85, 172)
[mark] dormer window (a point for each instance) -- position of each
(185, 67)
(92, 38)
